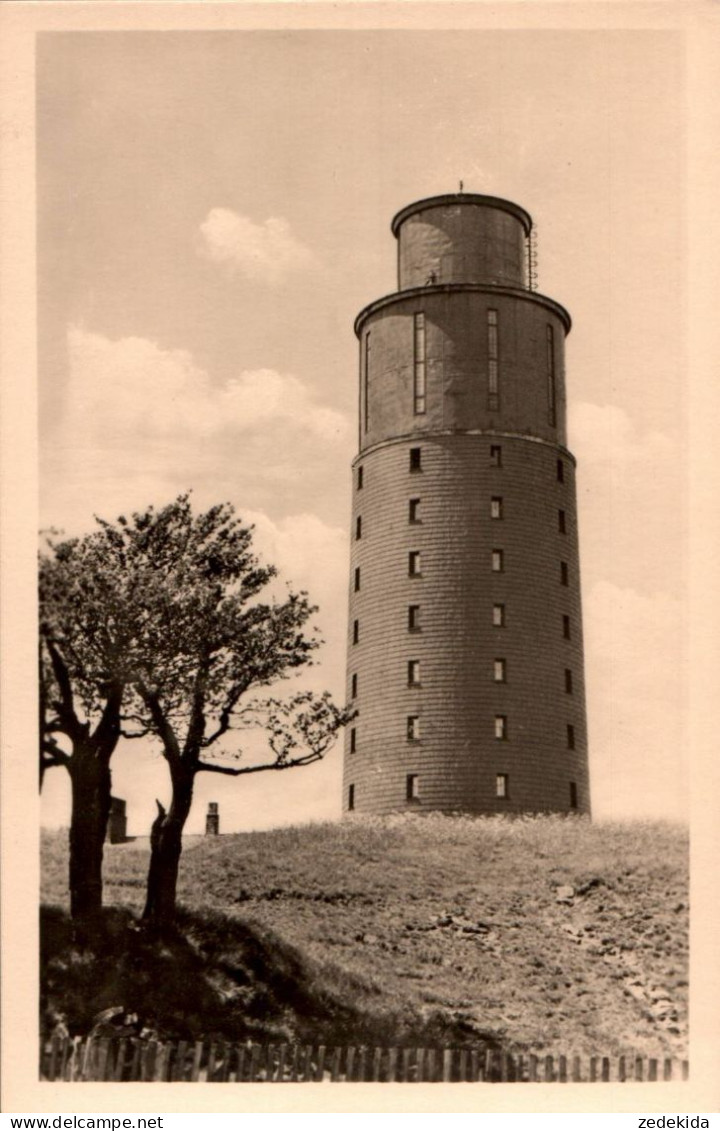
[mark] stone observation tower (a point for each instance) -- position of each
(465, 653)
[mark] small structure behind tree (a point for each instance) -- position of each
(117, 821)
(212, 820)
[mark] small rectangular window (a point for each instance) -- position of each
(501, 726)
(359, 478)
(496, 507)
(413, 728)
(356, 631)
(550, 369)
(357, 578)
(496, 455)
(498, 618)
(568, 681)
(560, 471)
(419, 365)
(414, 563)
(412, 787)
(358, 528)
(573, 795)
(353, 740)
(563, 573)
(414, 511)
(415, 459)
(354, 686)
(499, 671)
(498, 561)
(413, 670)
(566, 627)
(413, 618)
(570, 736)
(351, 797)
(501, 785)
(561, 522)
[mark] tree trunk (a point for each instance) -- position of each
(91, 786)
(165, 850)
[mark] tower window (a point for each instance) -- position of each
(356, 631)
(498, 616)
(501, 785)
(414, 511)
(354, 686)
(413, 618)
(560, 471)
(550, 353)
(563, 573)
(414, 563)
(366, 384)
(353, 740)
(570, 736)
(413, 728)
(496, 507)
(573, 795)
(358, 528)
(499, 671)
(568, 681)
(419, 366)
(357, 578)
(412, 787)
(492, 354)
(413, 670)
(566, 626)
(415, 459)
(351, 797)
(498, 561)
(561, 522)
(359, 478)
(496, 455)
(501, 730)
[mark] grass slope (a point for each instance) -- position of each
(403, 930)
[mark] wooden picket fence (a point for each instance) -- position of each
(63, 1058)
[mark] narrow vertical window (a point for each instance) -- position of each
(413, 670)
(570, 736)
(359, 478)
(499, 671)
(566, 626)
(496, 507)
(501, 727)
(353, 740)
(498, 561)
(562, 526)
(351, 797)
(356, 631)
(358, 528)
(501, 785)
(560, 471)
(414, 511)
(498, 616)
(413, 618)
(413, 728)
(568, 681)
(419, 368)
(415, 459)
(496, 455)
(414, 563)
(573, 795)
(366, 383)
(550, 353)
(412, 788)
(354, 686)
(564, 573)
(492, 360)
(357, 578)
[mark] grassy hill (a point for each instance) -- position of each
(539, 934)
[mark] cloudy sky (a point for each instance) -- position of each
(214, 209)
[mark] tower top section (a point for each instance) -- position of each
(462, 238)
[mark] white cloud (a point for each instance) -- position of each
(267, 252)
(606, 434)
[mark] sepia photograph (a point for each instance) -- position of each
(363, 539)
